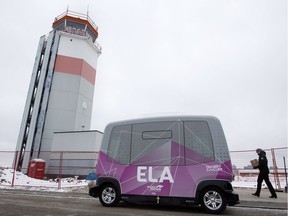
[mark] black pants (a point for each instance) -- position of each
(265, 177)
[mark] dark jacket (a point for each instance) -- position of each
(263, 163)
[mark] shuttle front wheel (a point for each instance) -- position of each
(213, 200)
(109, 195)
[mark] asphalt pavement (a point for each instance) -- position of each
(245, 196)
(248, 200)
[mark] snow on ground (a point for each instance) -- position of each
(22, 181)
(251, 182)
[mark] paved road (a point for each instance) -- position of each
(18, 202)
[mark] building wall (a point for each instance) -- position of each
(77, 141)
(79, 151)
(72, 90)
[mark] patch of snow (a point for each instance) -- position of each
(251, 182)
(22, 181)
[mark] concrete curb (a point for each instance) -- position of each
(248, 200)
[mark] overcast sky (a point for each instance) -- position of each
(226, 58)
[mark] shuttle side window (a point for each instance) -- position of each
(119, 144)
(162, 134)
(198, 142)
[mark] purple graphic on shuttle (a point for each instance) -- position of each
(177, 174)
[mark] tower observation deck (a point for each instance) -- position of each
(76, 23)
(60, 94)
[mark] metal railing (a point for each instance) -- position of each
(276, 163)
(77, 15)
(58, 165)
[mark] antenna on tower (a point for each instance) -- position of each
(87, 10)
(67, 8)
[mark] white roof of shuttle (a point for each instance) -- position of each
(165, 118)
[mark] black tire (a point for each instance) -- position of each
(213, 200)
(109, 195)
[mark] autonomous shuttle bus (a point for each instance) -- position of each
(181, 160)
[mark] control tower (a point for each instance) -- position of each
(60, 95)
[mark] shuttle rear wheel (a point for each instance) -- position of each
(109, 195)
(213, 200)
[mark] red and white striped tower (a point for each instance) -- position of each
(60, 95)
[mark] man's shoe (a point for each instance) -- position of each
(255, 194)
(273, 196)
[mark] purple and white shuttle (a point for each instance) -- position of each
(181, 160)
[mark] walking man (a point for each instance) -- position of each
(263, 174)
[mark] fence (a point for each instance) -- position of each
(277, 163)
(241, 159)
(58, 165)
(61, 165)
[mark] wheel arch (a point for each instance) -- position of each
(108, 180)
(223, 185)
